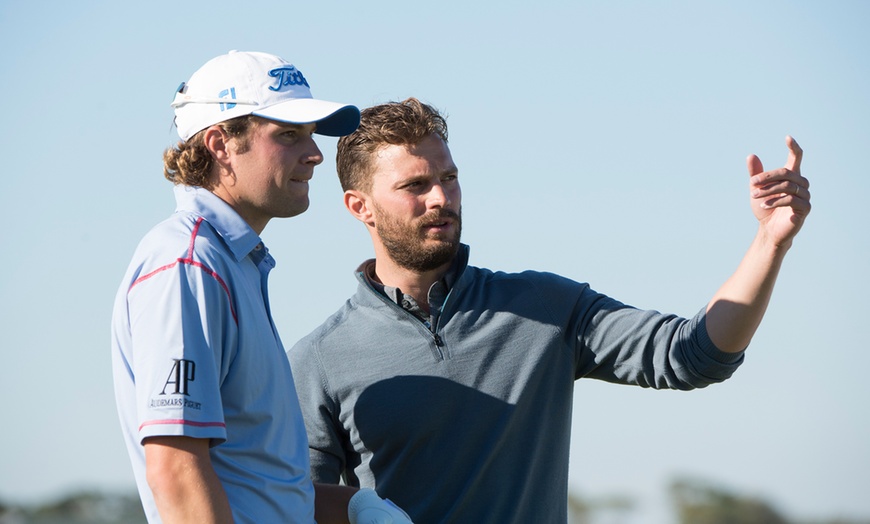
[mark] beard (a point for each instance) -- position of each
(409, 246)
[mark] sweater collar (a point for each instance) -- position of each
(364, 275)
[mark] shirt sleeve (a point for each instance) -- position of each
(182, 329)
(326, 443)
(619, 343)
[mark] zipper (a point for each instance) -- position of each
(439, 343)
(436, 339)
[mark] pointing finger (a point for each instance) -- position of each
(753, 163)
(795, 154)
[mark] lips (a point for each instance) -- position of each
(441, 224)
(444, 223)
(439, 220)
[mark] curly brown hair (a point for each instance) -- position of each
(190, 163)
(394, 123)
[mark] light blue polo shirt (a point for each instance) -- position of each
(195, 353)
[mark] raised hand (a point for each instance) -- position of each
(780, 198)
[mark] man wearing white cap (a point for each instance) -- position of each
(204, 391)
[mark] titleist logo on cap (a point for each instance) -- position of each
(288, 76)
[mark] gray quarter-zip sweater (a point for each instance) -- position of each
(468, 420)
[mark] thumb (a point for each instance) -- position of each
(753, 163)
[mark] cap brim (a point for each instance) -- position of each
(332, 118)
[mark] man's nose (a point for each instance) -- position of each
(438, 196)
(314, 154)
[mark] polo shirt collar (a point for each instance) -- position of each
(237, 234)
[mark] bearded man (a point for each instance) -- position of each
(448, 387)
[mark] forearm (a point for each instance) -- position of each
(735, 311)
(183, 482)
(330, 503)
(334, 504)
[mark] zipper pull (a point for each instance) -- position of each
(438, 341)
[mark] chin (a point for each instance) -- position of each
(296, 210)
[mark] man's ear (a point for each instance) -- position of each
(216, 140)
(357, 203)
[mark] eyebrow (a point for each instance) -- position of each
(288, 125)
(422, 177)
(451, 171)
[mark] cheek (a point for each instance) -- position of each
(456, 196)
(404, 204)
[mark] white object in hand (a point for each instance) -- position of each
(366, 507)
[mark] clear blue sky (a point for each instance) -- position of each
(602, 141)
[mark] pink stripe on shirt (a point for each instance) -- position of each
(182, 421)
(189, 261)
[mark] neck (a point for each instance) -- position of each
(411, 282)
(256, 221)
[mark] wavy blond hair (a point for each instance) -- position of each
(190, 163)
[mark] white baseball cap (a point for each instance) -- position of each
(251, 83)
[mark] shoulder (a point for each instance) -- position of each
(542, 295)
(335, 327)
(185, 242)
(530, 280)
(184, 234)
